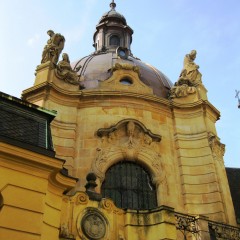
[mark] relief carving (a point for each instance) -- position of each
(218, 149)
(126, 66)
(101, 157)
(157, 164)
(130, 132)
(156, 161)
(129, 139)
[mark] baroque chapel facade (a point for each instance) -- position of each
(142, 158)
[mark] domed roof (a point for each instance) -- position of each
(98, 67)
(112, 14)
(112, 37)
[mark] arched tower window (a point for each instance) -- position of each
(114, 41)
(129, 186)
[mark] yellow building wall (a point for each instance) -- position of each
(32, 199)
(133, 225)
(188, 169)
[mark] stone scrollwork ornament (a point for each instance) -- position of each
(125, 66)
(65, 72)
(218, 149)
(82, 198)
(189, 77)
(128, 139)
(53, 48)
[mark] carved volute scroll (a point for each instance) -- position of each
(218, 149)
(128, 140)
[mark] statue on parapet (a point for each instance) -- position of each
(190, 70)
(189, 77)
(53, 48)
(65, 72)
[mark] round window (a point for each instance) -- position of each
(122, 52)
(126, 81)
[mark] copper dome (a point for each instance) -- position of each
(113, 33)
(98, 67)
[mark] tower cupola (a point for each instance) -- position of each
(112, 31)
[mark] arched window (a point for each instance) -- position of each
(129, 186)
(114, 41)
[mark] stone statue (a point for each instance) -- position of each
(183, 90)
(190, 69)
(65, 72)
(53, 48)
(189, 78)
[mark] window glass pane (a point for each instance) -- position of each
(129, 186)
(114, 40)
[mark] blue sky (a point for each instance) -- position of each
(164, 31)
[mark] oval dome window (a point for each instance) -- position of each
(126, 81)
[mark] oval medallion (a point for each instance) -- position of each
(93, 225)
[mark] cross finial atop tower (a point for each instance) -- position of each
(113, 5)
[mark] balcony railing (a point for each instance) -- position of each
(190, 225)
(223, 231)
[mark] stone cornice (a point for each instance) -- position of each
(106, 93)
